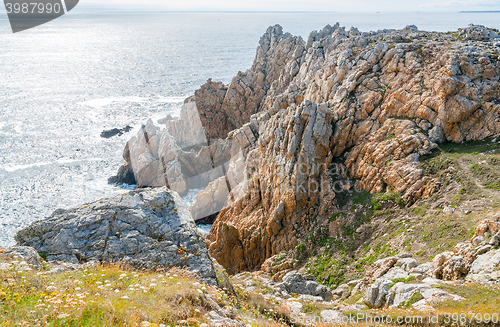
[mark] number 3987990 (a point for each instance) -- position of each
(33, 8)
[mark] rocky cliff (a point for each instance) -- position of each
(315, 120)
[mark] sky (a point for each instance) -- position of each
(293, 5)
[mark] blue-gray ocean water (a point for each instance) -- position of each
(63, 83)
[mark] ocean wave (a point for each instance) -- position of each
(104, 102)
(13, 168)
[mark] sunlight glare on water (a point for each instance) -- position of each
(63, 83)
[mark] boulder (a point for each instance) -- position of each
(294, 282)
(342, 291)
(217, 320)
(476, 32)
(379, 268)
(375, 295)
(454, 268)
(483, 249)
(485, 268)
(486, 228)
(495, 240)
(441, 258)
(407, 263)
(396, 273)
(424, 269)
(144, 229)
(401, 293)
(419, 296)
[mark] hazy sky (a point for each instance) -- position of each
(295, 5)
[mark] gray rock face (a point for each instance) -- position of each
(145, 229)
(424, 269)
(375, 296)
(495, 240)
(294, 282)
(408, 263)
(436, 134)
(401, 293)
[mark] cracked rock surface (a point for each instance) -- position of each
(148, 228)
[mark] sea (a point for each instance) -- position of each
(63, 83)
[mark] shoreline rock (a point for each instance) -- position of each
(143, 229)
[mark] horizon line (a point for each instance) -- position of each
(91, 9)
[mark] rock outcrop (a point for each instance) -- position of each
(295, 283)
(340, 112)
(144, 229)
(401, 281)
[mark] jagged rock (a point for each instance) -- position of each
(294, 282)
(476, 32)
(454, 266)
(486, 227)
(495, 240)
(424, 269)
(230, 252)
(307, 129)
(375, 295)
(407, 264)
(149, 228)
(115, 131)
(486, 268)
(378, 100)
(379, 268)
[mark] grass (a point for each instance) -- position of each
(100, 296)
(113, 296)
(402, 280)
(489, 176)
(366, 227)
(478, 299)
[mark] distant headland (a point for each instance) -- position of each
(481, 11)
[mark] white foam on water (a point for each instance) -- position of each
(104, 102)
(12, 168)
(190, 197)
(171, 99)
